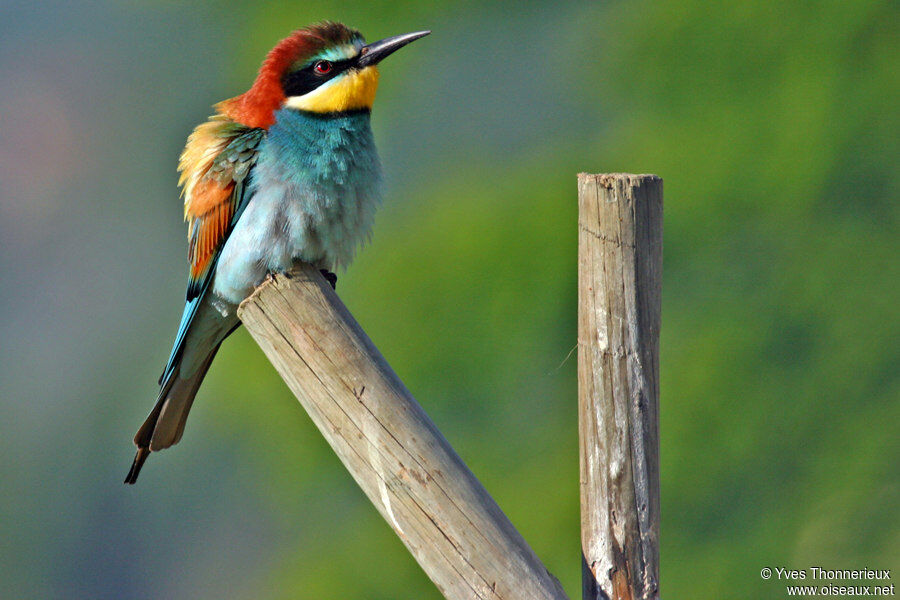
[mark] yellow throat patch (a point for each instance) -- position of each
(353, 90)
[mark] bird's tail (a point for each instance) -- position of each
(165, 423)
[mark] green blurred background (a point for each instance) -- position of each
(775, 127)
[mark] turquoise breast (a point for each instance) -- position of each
(315, 188)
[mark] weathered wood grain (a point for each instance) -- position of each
(619, 293)
(392, 449)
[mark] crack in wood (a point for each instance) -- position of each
(604, 238)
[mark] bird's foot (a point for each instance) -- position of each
(329, 277)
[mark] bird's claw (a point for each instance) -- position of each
(329, 277)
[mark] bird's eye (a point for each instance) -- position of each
(323, 67)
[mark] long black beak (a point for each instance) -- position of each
(375, 52)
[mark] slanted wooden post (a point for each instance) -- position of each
(395, 453)
(619, 290)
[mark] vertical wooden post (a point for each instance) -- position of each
(619, 292)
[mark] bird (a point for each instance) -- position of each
(287, 171)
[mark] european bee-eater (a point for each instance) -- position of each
(285, 172)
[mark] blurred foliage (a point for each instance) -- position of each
(774, 127)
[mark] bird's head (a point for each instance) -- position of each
(324, 68)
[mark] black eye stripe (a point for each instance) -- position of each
(304, 80)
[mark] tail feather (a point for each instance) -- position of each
(139, 459)
(176, 405)
(164, 425)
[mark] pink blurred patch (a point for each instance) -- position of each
(38, 152)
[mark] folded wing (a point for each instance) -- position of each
(214, 169)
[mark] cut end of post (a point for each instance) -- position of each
(614, 176)
(610, 180)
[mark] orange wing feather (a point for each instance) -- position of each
(210, 213)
